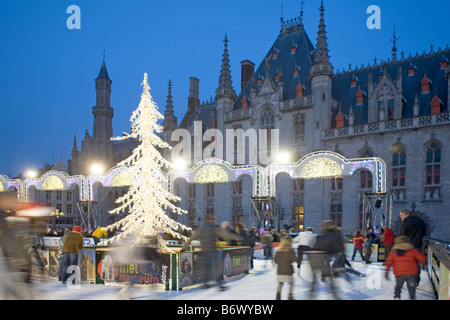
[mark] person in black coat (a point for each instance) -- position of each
(412, 227)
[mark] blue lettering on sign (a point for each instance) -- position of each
(88, 242)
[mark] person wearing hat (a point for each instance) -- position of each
(404, 259)
(72, 244)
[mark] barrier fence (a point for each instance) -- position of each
(167, 271)
(438, 266)
(183, 270)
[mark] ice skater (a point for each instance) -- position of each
(284, 257)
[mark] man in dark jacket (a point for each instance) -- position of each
(412, 227)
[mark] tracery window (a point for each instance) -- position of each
(433, 165)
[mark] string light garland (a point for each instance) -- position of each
(147, 200)
(52, 183)
(211, 174)
(321, 168)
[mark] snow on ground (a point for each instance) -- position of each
(259, 284)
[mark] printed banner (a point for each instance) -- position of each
(236, 261)
(151, 271)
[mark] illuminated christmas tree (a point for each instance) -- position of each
(147, 200)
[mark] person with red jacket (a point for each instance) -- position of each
(388, 240)
(358, 241)
(404, 259)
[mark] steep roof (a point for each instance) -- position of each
(103, 74)
(425, 64)
(292, 35)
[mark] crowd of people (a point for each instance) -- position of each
(325, 251)
(403, 252)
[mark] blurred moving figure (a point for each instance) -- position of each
(19, 246)
(128, 251)
(284, 257)
(207, 234)
(328, 244)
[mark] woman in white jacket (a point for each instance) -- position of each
(304, 242)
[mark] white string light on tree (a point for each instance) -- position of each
(147, 200)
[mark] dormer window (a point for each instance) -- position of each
(275, 54)
(435, 105)
(296, 71)
(244, 102)
(299, 90)
(444, 64)
(259, 81)
(293, 48)
(425, 84)
(353, 81)
(411, 70)
(359, 96)
(339, 120)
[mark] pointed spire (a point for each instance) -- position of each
(74, 148)
(281, 18)
(394, 40)
(170, 120)
(301, 14)
(321, 53)
(225, 87)
(103, 74)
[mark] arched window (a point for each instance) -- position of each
(433, 165)
(267, 117)
(398, 166)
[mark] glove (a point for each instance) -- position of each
(386, 275)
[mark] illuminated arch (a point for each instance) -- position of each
(328, 164)
(203, 171)
(53, 182)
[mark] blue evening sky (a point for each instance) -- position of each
(47, 71)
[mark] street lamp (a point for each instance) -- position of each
(179, 164)
(57, 214)
(283, 157)
(31, 173)
(97, 168)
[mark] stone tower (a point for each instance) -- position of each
(102, 146)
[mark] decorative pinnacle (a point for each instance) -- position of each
(394, 40)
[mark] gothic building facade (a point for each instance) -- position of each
(396, 110)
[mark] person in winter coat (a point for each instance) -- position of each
(358, 241)
(304, 241)
(266, 240)
(99, 233)
(284, 257)
(242, 231)
(208, 233)
(253, 237)
(370, 240)
(72, 244)
(329, 243)
(388, 240)
(412, 227)
(404, 259)
(18, 242)
(60, 254)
